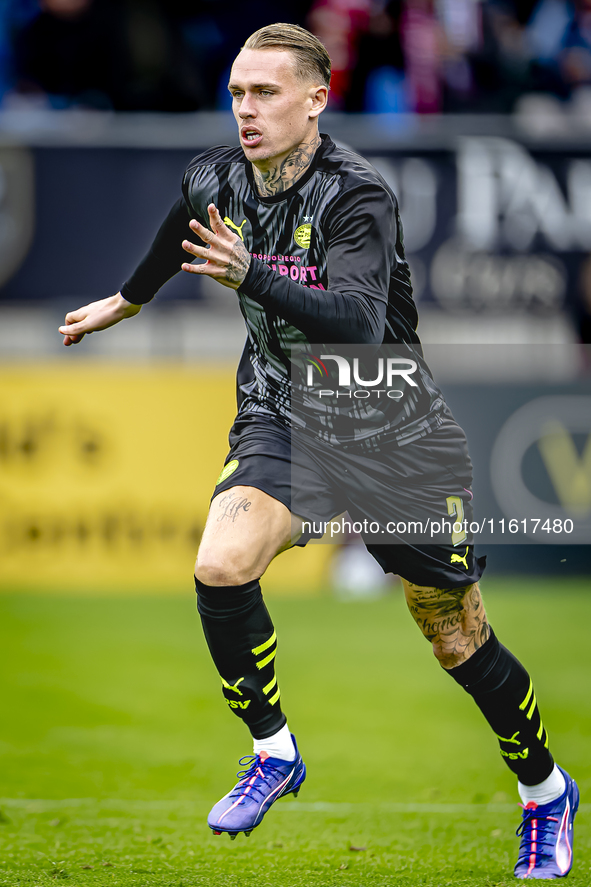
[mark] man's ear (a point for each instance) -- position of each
(319, 97)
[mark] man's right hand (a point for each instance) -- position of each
(96, 316)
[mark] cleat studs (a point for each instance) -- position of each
(215, 832)
(232, 837)
(296, 793)
(248, 834)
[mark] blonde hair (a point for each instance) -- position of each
(312, 59)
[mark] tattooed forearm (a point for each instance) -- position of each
(231, 506)
(282, 176)
(238, 263)
(452, 619)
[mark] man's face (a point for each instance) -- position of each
(274, 109)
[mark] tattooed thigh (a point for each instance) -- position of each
(452, 619)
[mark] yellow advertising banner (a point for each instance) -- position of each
(106, 472)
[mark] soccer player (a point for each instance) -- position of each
(309, 236)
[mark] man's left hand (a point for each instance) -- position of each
(226, 258)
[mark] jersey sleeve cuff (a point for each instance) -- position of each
(255, 280)
(135, 298)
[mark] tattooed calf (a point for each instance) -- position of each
(452, 619)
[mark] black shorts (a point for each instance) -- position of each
(411, 504)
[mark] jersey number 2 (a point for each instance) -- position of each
(455, 509)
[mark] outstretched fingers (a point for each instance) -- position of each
(216, 222)
(199, 252)
(208, 235)
(226, 259)
(204, 233)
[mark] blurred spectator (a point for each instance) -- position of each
(422, 47)
(461, 22)
(213, 31)
(134, 55)
(559, 38)
(14, 14)
(338, 23)
(103, 54)
(499, 62)
(378, 82)
(417, 56)
(426, 56)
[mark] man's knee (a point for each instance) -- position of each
(461, 646)
(223, 572)
(221, 568)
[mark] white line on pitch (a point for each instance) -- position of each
(39, 805)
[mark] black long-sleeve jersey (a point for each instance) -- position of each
(328, 266)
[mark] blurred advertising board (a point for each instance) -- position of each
(531, 449)
(106, 472)
(494, 224)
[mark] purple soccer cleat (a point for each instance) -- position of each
(546, 849)
(264, 781)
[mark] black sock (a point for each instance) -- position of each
(243, 645)
(504, 692)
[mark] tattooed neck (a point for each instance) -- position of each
(286, 173)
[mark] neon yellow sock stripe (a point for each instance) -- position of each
(266, 645)
(275, 697)
(523, 705)
(270, 685)
(540, 733)
(267, 659)
(531, 708)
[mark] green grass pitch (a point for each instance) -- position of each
(115, 741)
